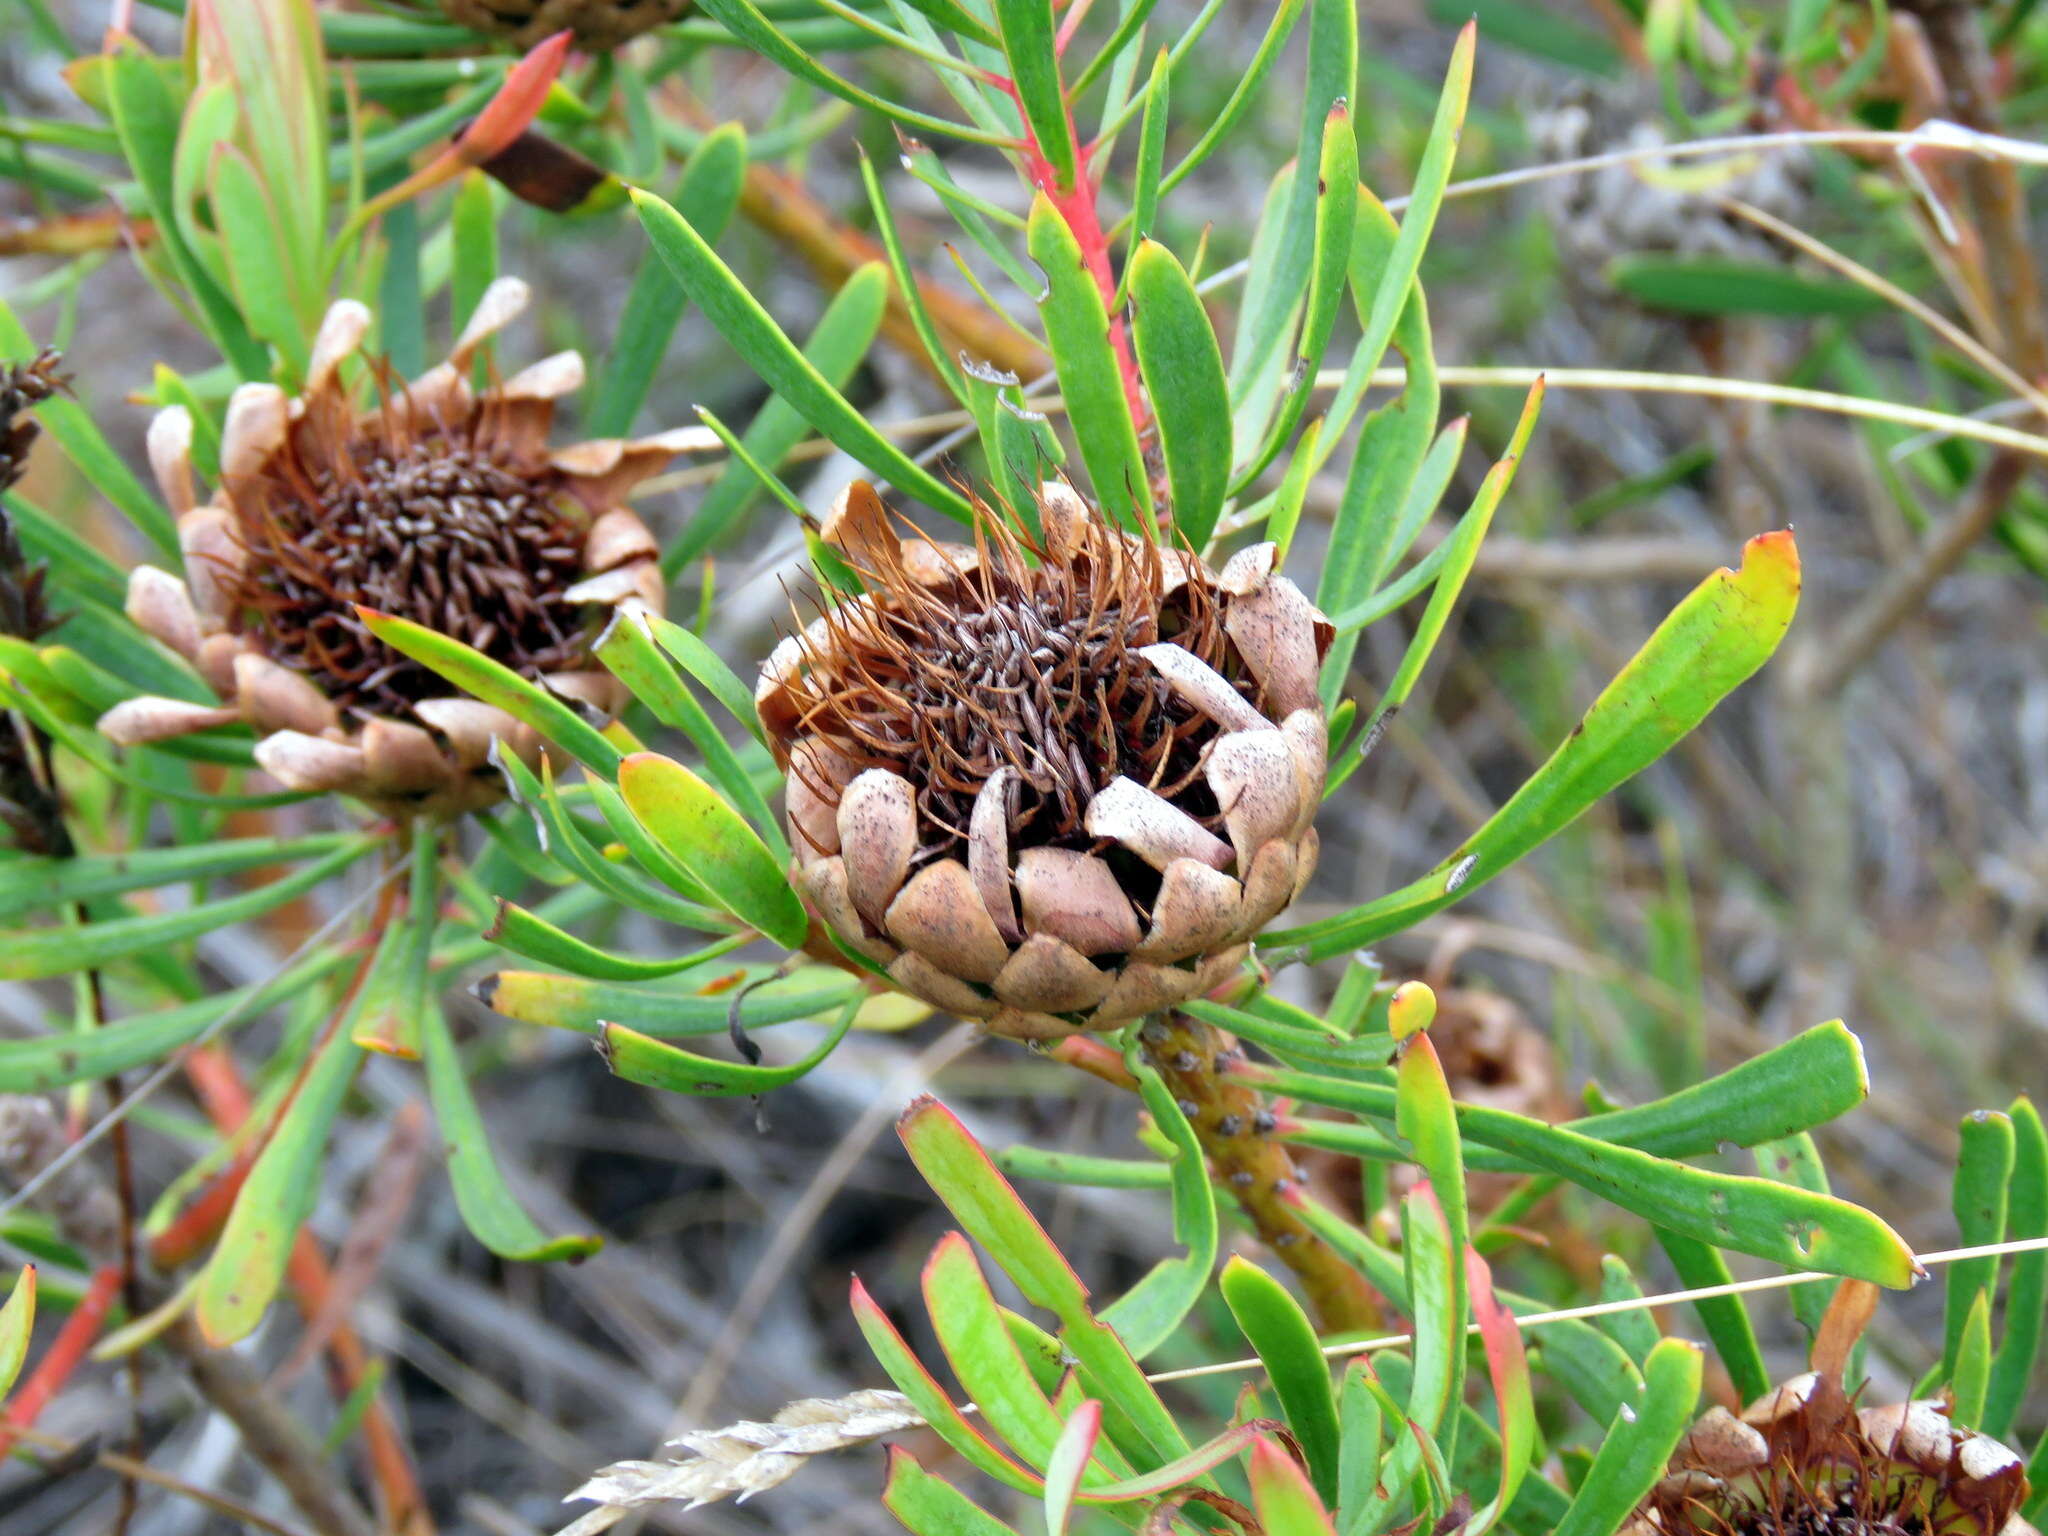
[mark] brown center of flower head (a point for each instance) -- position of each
(1017, 659)
(438, 525)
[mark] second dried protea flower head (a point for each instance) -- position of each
(1805, 1460)
(1052, 782)
(437, 502)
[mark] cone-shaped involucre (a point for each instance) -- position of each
(1053, 785)
(433, 502)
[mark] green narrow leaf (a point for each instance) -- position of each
(1719, 285)
(983, 1202)
(32, 953)
(1331, 60)
(40, 885)
(1970, 1380)
(2026, 1292)
(401, 305)
(984, 1357)
(260, 267)
(494, 683)
(1182, 366)
(1725, 1318)
(395, 993)
(1790, 1225)
(1152, 1311)
(568, 840)
(1027, 30)
(520, 931)
(1285, 1341)
(1336, 218)
(744, 19)
(145, 116)
(907, 285)
(706, 195)
(931, 1506)
(1397, 474)
(1637, 1448)
(1635, 1331)
(1288, 500)
(645, 1060)
(729, 306)
(1078, 331)
(1285, 14)
(1709, 644)
(1068, 1463)
(1508, 1366)
(489, 1209)
(1436, 1303)
(585, 1006)
(17, 1322)
(248, 1263)
(49, 1062)
(1360, 1433)
(1984, 1164)
(705, 665)
(1463, 551)
(1281, 1496)
(1151, 153)
(629, 651)
(930, 1400)
(1796, 1160)
(473, 221)
(715, 844)
(1396, 279)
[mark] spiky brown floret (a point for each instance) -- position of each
(1016, 660)
(440, 521)
(30, 806)
(439, 503)
(1055, 781)
(23, 386)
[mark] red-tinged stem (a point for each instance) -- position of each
(200, 1222)
(1077, 205)
(1076, 14)
(69, 1347)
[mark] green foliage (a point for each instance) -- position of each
(276, 179)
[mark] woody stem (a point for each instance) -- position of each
(1234, 1127)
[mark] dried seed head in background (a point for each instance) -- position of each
(1052, 783)
(1804, 1460)
(435, 503)
(30, 807)
(599, 25)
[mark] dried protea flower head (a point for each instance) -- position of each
(24, 606)
(435, 502)
(1052, 782)
(1804, 1460)
(598, 25)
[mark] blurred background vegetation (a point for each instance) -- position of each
(1862, 832)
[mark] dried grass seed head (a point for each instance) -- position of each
(436, 502)
(1039, 778)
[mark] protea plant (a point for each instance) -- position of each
(436, 502)
(1804, 1460)
(1055, 781)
